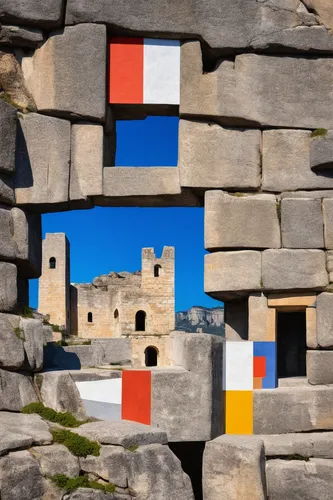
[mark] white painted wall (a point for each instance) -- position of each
(238, 366)
(104, 391)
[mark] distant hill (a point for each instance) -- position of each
(208, 320)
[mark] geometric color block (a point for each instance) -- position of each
(144, 71)
(136, 396)
(259, 366)
(267, 350)
(238, 366)
(239, 412)
(257, 383)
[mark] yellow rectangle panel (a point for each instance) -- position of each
(239, 412)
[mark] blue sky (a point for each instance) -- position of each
(111, 239)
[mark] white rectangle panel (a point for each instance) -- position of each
(238, 366)
(161, 73)
(104, 391)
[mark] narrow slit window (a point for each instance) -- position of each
(90, 317)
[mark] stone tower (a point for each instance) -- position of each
(54, 283)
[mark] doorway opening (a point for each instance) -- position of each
(140, 321)
(291, 344)
(151, 355)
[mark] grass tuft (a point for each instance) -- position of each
(69, 484)
(66, 419)
(319, 132)
(80, 446)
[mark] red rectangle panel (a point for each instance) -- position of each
(259, 366)
(126, 71)
(136, 396)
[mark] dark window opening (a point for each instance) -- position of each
(116, 314)
(291, 344)
(140, 321)
(157, 270)
(151, 354)
(52, 263)
(90, 317)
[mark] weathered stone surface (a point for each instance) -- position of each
(11, 346)
(325, 320)
(294, 269)
(56, 459)
(86, 178)
(286, 167)
(212, 156)
(236, 314)
(234, 468)
(321, 152)
(309, 444)
(324, 9)
(328, 222)
(261, 319)
(89, 494)
(19, 36)
(16, 391)
(88, 355)
(42, 173)
(32, 331)
(31, 12)
(155, 473)
(57, 74)
(296, 479)
(114, 350)
(228, 225)
(329, 264)
(19, 431)
(302, 223)
(306, 408)
(7, 136)
(13, 84)
(8, 287)
(7, 247)
(28, 240)
(58, 391)
(123, 433)
(20, 477)
(7, 189)
(51, 491)
(111, 465)
(319, 367)
(232, 272)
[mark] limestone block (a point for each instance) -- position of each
(212, 156)
(18, 431)
(329, 264)
(304, 409)
(88, 355)
(56, 459)
(7, 246)
(261, 319)
(228, 225)
(285, 167)
(319, 367)
(91, 494)
(325, 320)
(31, 12)
(232, 272)
(294, 269)
(12, 354)
(236, 319)
(302, 223)
(67, 75)
(16, 391)
(311, 327)
(13, 83)
(328, 222)
(324, 9)
(111, 465)
(19, 36)
(114, 350)
(321, 152)
(33, 335)
(7, 137)
(42, 173)
(20, 477)
(308, 444)
(234, 468)
(8, 287)
(28, 239)
(123, 433)
(58, 391)
(86, 177)
(299, 479)
(7, 189)
(299, 300)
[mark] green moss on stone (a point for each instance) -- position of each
(19, 332)
(80, 446)
(69, 484)
(66, 419)
(319, 132)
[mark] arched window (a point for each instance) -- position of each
(140, 321)
(151, 355)
(90, 317)
(157, 269)
(52, 262)
(116, 314)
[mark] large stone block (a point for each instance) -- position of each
(309, 444)
(228, 274)
(8, 287)
(12, 355)
(261, 319)
(20, 477)
(228, 225)
(294, 269)
(16, 391)
(56, 459)
(298, 479)
(321, 151)
(305, 408)
(28, 240)
(286, 156)
(302, 223)
(7, 189)
(42, 173)
(325, 320)
(111, 465)
(7, 246)
(67, 75)
(33, 335)
(214, 157)
(114, 350)
(328, 222)
(244, 92)
(86, 177)
(234, 469)
(323, 8)
(29, 12)
(7, 137)
(319, 367)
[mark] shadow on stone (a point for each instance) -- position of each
(56, 358)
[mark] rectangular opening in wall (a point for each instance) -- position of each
(291, 344)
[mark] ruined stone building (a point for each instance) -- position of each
(138, 305)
